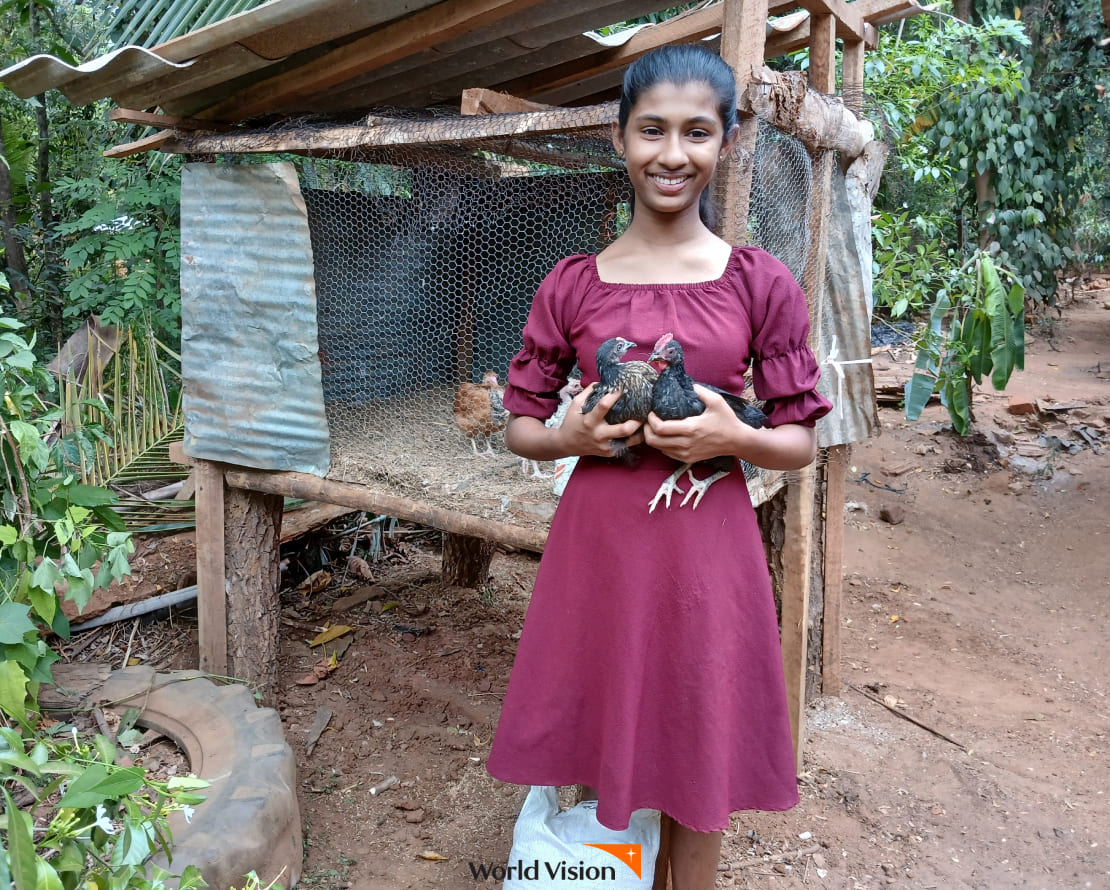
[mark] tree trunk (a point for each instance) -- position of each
(985, 202)
(466, 560)
(15, 257)
(48, 290)
(252, 536)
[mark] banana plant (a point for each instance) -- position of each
(974, 331)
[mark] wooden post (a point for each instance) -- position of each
(797, 554)
(798, 547)
(836, 467)
(211, 584)
(743, 34)
(252, 548)
(466, 560)
(836, 471)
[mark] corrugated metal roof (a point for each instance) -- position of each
(335, 56)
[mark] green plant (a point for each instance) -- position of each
(80, 821)
(54, 530)
(123, 248)
(907, 271)
(976, 330)
(97, 823)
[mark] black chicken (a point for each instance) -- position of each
(673, 398)
(634, 379)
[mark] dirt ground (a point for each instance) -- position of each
(968, 748)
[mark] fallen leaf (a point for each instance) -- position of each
(330, 634)
(894, 619)
(432, 855)
(359, 567)
(314, 583)
(319, 671)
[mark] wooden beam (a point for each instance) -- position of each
(822, 54)
(847, 21)
(211, 581)
(820, 121)
(164, 121)
(851, 76)
(359, 497)
(743, 37)
(685, 28)
(836, 472)
(378, 132)
(403, 37)
(147, 143)
(482, 101)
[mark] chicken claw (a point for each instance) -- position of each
(669, 487)
(699, 487)
(535, 474)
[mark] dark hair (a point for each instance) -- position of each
(680, 65)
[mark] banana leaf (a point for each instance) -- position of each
(921, 386)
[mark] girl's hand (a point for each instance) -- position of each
(583, 434)
(715, 432)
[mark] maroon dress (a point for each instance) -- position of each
(649, 665)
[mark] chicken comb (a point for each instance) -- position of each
(662, 341)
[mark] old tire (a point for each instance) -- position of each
(250, 819)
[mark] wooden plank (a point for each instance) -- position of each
(797, 554)
(163, 121)
(836, 473)
(822, 54)
(407, 35)
(359, 497)
(846, 20)
(483, 101)
(743, 39)
(479, 55)
(147, 143)
(378, 132)
(851, 77)
(685, 28)
(211, 581)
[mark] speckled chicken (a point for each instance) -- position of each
(480, 411)
(635, 380)
(674, 398)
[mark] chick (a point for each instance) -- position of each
(566, 395)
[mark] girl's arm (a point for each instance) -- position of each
(580, 434)
(719, 431)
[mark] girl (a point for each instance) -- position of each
(649, 666)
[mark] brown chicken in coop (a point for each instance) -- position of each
(480, 412)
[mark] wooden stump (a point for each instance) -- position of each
(466, 560)
(252, 535)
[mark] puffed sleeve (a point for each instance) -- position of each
(542, 366)
(784, 370)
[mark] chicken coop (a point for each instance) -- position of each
(357, 243)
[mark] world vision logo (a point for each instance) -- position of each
(562, 871)
(629, 854)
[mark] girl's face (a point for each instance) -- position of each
(671, 146)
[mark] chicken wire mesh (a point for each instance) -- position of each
(426, 261)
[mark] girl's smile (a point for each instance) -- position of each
(671, 145)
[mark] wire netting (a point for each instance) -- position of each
(426, 261)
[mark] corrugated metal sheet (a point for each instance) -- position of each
(249, 353)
